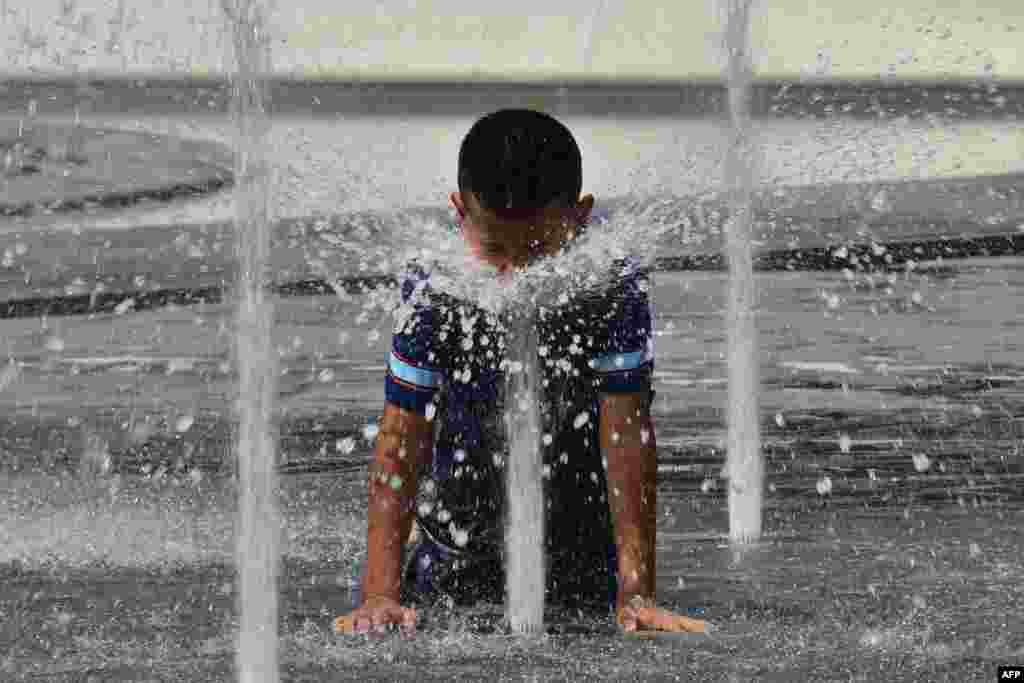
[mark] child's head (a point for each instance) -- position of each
(520, 176)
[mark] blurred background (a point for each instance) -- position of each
(527, 40)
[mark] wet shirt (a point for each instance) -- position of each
(446, 363)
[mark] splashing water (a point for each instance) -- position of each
(524, 535)
(744, 463)
(258, 545)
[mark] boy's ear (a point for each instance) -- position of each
(456, 199)
(584, 206)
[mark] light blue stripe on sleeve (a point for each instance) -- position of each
(615, 362)
(411, 374)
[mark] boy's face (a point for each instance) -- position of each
(509, 241)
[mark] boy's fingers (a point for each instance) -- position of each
(360, 622)
(627, 619)
(663, 620)
(349, 624)
(344, 624)
(392, 614)
(690, 625)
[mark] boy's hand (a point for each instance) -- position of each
(641, 614)
(376, 614)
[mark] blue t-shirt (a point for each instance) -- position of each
(445, 361)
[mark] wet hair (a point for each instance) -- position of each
(518, 160)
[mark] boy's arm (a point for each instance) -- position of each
(404, 440)
(627, 442)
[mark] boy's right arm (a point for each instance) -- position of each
(404, 441)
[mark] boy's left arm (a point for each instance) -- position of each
(627, 442)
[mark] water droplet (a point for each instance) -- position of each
(460, 455)
(345, 445)
(581, 420)
(184, 423)
(547, 439)
(824, 486)
(326, 375)
(845, 442)
(922, 463)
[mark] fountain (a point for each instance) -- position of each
(524, 535)
(257, 544)
(744, 461)
(895, 392)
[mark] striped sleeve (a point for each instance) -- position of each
(414, 374)
(625, 364)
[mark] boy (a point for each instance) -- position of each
(520, 177)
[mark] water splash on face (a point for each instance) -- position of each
(588, 263)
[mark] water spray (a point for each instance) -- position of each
(744, 462)
(524, 533)
(258, 543)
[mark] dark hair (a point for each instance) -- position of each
(520, 159)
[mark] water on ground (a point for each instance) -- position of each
(892, 414)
